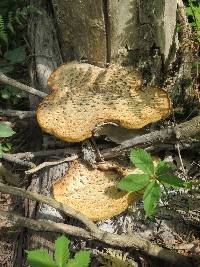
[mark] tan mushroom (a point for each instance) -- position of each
(84, 96)
(93, 192)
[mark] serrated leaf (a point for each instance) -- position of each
(17, 55)
(151, 198)
(142, 160)
(62, 251)
(172, 181)
(163, 168)
(5, 130)
(81, 259)
(133, 182)
(40, 258)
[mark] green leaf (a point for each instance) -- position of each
(40, 258)
(151, 197)
(133, 182)
(5, 130)
(17, 55)
(163, 168)
(81, 259)
(62, 251)
(142, 160)
(172, 181)
(5, 94)
(6, 147)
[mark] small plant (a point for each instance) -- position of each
(193, 13)
(153, 179)
(5, 131)
(40, 258)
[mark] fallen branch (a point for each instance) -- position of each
(13, 159)
(21, 86)
(180, 132)
(50, 163)
(110, 239)
(45, 153)
(17, 113)
(49, 201)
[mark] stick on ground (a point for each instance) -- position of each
(21, 86)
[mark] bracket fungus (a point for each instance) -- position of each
(93, 192)
(84, 96)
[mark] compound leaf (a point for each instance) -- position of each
(40, 258)
(62, 251)
(151, 197)
(133, 182)
(172, 181)
(81, 259)
(142, 160)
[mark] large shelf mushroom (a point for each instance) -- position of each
(84, 96)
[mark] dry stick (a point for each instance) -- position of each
(50, 152)
(181, 131)
(49, 201)
(17, 113)
(13, 159)
(21, 86)
(110, 239)
(50, 163)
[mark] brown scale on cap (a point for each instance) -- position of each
(84, 96)
(93, 192)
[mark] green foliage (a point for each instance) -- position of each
(193, 13)
(10, 60)
(152, 181)
(14, 14)
(40, 258)
(5, 130)
(5, 147)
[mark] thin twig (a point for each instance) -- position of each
(49, 201)
(17, 113)
(181, 161)
(50, 163)
(111, 239)
(21, 86)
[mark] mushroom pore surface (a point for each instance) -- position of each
(84, 96)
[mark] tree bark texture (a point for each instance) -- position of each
(110, 31)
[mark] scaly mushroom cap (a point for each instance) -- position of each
(84, 96)
(93, 192)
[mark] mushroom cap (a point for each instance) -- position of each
(84, 96)
(93, 192)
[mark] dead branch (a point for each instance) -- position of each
(21, 86)
(110, 239)
(49, 201)
(45, 153)
(50, 163)
(17, 113)
(13, 159)
(182, 131)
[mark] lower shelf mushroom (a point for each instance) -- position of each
(93, 192)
